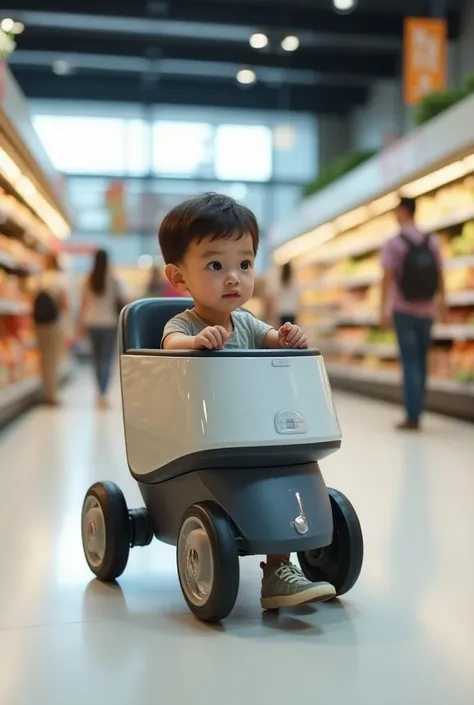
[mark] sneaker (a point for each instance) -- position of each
(408, 426)
(102, 402)
(286, 586)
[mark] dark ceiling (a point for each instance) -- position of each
(189, 51)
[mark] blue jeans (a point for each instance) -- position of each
(103, 348)
(414, 342)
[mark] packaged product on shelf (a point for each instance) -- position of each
(4, 373)
(463, 244)
(17, 360)
(462, 361)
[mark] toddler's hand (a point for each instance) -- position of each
(212, 338)
(291, 336)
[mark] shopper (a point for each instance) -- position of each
(159, 286)
(412, 295)
(209, 245)
(50, 307)
(156, 282)
(103, 297)
(287, 295)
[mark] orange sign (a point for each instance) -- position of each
(424, 56)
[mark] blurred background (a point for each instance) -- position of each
(115, 115)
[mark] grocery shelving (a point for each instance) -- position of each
(32, 224)
(334, 241)
(20, 395)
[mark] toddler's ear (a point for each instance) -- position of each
(175, 278)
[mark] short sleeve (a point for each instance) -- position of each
(178, 324)
(387, 255)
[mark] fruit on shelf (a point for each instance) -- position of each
(463, 244)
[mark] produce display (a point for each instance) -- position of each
(341, 289)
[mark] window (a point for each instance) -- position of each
(181, 148)
(94, 145)
(243, 152)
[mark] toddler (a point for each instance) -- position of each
(209, 245)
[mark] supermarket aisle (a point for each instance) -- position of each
(404, 634)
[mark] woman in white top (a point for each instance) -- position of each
(102, 299)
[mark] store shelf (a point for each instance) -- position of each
(461, 298)
(442, 331)
(18, 396)
(356, 247)
(366, 279)
(444, 396)
(440, 142)
(12, 264)
(14, 308)
(347, 347)
(368, 374)
(453, 331)
(349, 282)
(358, 319)
(459, 262)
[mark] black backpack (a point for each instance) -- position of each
(45, 309)
(419, 277)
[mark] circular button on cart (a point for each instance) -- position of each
(289, 422)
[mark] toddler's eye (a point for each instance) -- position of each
(246, 264)
(214, 266)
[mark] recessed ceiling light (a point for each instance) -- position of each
(246, 76)
(258, 41)
(344, 5)
(7, 24)
(61, 67)
(290, 43)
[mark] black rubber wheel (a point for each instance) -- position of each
(141, 527)
(339, 563)
(106, 534)
(208, 562)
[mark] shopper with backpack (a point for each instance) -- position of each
(49, 307)
(412, 297)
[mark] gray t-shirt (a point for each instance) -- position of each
(248, 334)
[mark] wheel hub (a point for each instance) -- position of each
(93, 531)
(195, 561)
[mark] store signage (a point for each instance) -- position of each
(424, 57)
(115, 204)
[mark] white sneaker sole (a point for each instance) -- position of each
(317, 593)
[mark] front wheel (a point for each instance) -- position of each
(208, 562)
(340, 563)
(106, 534)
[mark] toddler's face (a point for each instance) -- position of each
(219, 274)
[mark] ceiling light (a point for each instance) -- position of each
(290, 43)
(246, 77)
(61, 67)
(18, 28)
(344, 5)
(258, 41)
(7, 25)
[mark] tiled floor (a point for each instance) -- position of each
(404, 635)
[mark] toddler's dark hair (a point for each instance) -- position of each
(209, 215)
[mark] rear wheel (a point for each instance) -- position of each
(339, 563)
(106, 530)
(208, 562)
